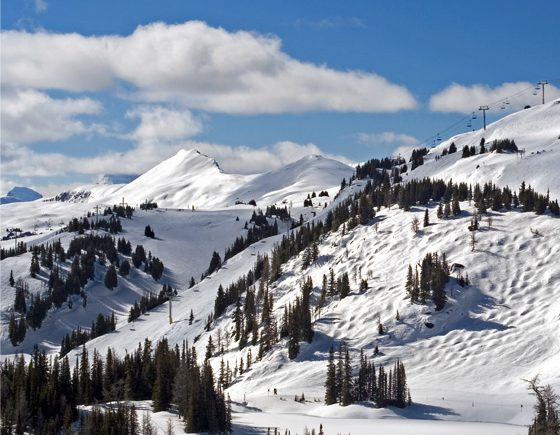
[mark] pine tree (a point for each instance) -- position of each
(439, 212)
(110, 279)
(409, 286)
(11, 280)
(330, 381)
(346, 392)
(446, 210)
(456, 208)
(124, 268)
(426, 218)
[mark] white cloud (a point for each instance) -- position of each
(23, 162)
(30, 116)
(161, 124)
(386, 138)
(40, 6)
(465, 99)
(245, 160)
(197, 66)
(332, 22)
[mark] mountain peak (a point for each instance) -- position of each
(20, 194)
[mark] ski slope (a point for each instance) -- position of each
(536, 130)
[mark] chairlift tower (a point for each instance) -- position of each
(484, 109)
(541, 83)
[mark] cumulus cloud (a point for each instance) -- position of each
(31, 116)
(23, 162)
(465, 99)
(162, 124)
(386, 138)
(197, 66)
(245, 160)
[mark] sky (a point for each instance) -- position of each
(102, 87)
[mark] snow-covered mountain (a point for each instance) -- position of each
(465, 363)
(20, 194)
(190, 178)
(535, 130)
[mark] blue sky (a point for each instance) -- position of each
(254, 84)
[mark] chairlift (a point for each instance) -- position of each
(534, 92)
(469, 124)
(438, 138)
(473, 115)
(507, 101)
(503, 106)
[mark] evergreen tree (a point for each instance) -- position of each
(124, 268)
(215, 263)
(110, 279)
(346, 391)
(11, 280)
(330, 381)
(426, 218)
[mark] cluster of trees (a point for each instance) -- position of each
(100, 326)
(148, 205)
(124, 246)
(232, 295)
(149, 232)
(258, 218)
(451, 150)
(428, 283)
(373, 167)
(45, 256)
(282, 213)
(341, 386)
(152, 265)
(254, 234)
(150, 301)
(308, 202)
(95, 244)
(112, 225)
(417, 158)
(42, 396)
(20, 248)
(296, 322)
(84, 251)
(310, 255)
(17, 328)
(123, 211)
(504, 145)
(215, 264)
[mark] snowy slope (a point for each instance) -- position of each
(537, 130)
